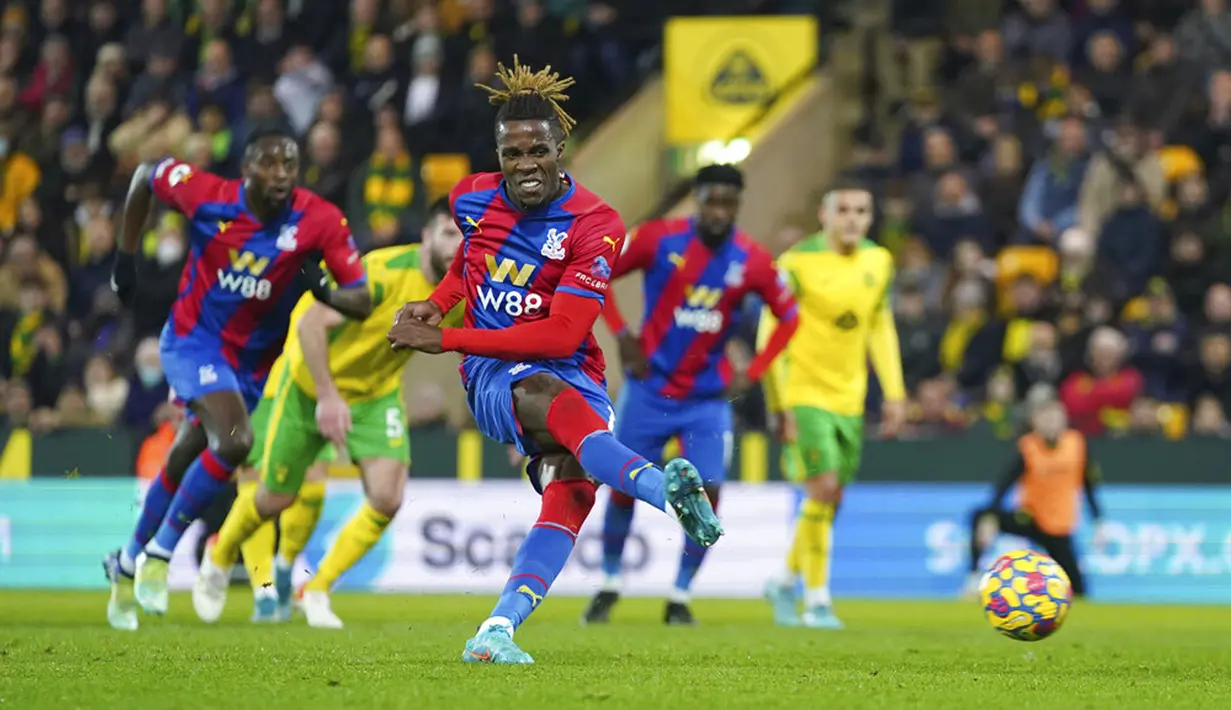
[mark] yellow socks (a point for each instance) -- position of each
(298, 521)
(360, 534)
(241, 522)
(258, 551)
(811, 551)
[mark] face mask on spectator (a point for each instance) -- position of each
(168, 252)
(149, 376)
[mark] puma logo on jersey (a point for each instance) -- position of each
(611, 242)
(475, 225)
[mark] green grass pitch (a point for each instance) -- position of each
(403, 652)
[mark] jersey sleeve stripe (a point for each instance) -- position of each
(580, 292)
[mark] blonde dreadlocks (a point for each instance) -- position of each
(531, 95)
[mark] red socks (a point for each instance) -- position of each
(570, 419)
(567, 503)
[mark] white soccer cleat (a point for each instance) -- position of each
(122, 606)
(150, 584)
(209, 591)
(315, 607)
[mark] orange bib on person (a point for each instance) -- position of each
(1050, 489)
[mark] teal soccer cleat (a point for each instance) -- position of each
(495, 645)
(286, 592)
(821, 617)
(785, 603)
(686, 496)
(266, 610)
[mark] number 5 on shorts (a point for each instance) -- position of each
(395, 429)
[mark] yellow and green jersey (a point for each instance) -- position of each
(844, 317)
(364, 367)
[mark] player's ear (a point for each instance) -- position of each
(560, 149)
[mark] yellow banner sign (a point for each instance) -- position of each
(721, 72)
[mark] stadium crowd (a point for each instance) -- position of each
(1055, 195)
(1056, 199)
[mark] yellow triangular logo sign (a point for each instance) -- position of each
(740, 80)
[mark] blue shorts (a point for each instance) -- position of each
(489, 392)
(194, 368)
(646, 421)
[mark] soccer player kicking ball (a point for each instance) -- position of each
(533, 272)
(842, 282)
(1052, 469)
(253, 242)
(340, 384)
(697, 272)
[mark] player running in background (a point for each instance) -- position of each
(817, 390)
(1051, 468)
(697, 272)
(339, 383)
(250, 239)
(533, 273)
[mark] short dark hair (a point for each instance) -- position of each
(439, 208)
(531, 96)
(271, 129)
(719, 175)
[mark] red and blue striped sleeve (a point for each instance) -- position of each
(592, 257)
(183, 187)
(338, 248)
(637, 255)
(774, 291)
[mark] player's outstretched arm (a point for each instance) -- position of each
(136, 213)
(886, 355)
(779, 301)
(351, 296)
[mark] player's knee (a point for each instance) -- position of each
(235, 444)
(270, 504)
(385, 499)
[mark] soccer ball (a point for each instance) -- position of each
(1026, 595)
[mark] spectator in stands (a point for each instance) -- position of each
(1109, 77)
(156, 131)
(157, 79)
(160, 275)
(147, 388)
(429, 99)
(1189, 272)
(1132, 240)
(1104, 16)
(475, 114)
(1127, 160)
(26, 263)
(1049, 203)
(1099, 398)
(52, 75)
(1001, 186)
(100, 116)
(1039, 27)
(94, 272)
(211, 21)
(19, 177)
(102, 28)
(377, 85)
(1212, 380)
(324, 172)
(1163, 82)
(940, 156)
(1209, 419)
(919, 333)
(920, 272)
(217, 82)
(18, 405)
(1042, 365)
(1210, 137)
(926, 117)
(1004, 340)
(153, 34)
(1204, 34)
(384, 188)
(955, 216)
(1157, 341)
(302, 84)
(1081, 274)
(41, 139)
(32, 347)
(105, 391)
(1218, 308)
(269, 42)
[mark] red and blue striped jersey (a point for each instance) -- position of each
(241, 280)
(514, 262)
(693, 299)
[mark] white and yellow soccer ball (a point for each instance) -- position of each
(1026, 595)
